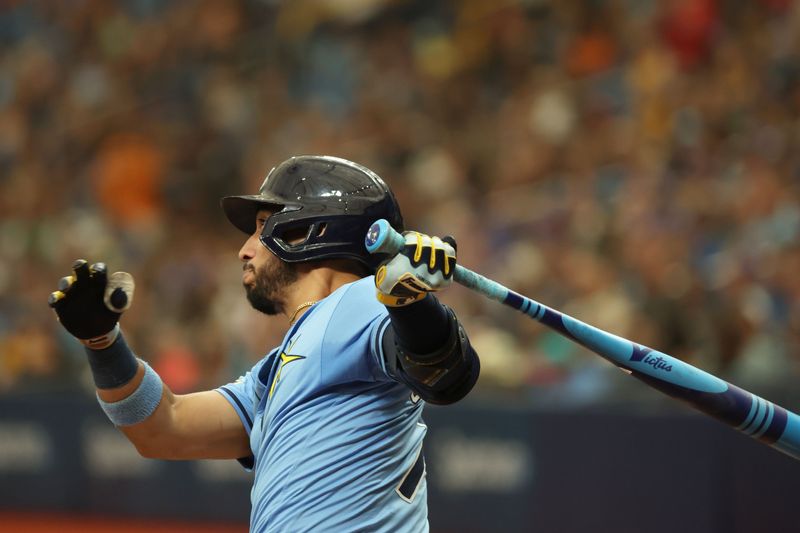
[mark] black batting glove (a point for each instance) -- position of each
(89, 306)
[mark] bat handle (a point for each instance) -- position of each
(383, 239)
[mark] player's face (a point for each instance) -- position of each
(265, 277)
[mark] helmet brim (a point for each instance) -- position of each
(242, 210)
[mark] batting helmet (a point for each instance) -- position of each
(331, 201)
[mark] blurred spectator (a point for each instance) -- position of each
(630, 163)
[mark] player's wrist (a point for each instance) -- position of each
(102, 342)
(112, 366)
(390, 300)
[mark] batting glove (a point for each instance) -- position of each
(89, 303)
(425, 264)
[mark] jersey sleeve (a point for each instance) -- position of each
(244, 395)
(378, 358)
(354, 332)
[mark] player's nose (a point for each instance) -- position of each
(248, 249)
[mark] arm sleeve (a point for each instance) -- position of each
(427, 349)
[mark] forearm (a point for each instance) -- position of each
(422, 327)
(190, 426)
(154, 436)
(144, 416)
(159, 423)
(428, 349)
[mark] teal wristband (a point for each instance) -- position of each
(113, 366)
(139, 405)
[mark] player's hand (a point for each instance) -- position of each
(425, 264)
(89, 302)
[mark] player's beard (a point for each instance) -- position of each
(266, 293)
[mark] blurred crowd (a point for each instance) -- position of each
(632, 163)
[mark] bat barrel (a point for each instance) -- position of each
(742, 410)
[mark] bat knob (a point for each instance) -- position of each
(376, 236)
(118, 299)
(118, 295)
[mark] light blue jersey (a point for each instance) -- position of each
(337, 442)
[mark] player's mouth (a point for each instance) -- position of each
(249, 274)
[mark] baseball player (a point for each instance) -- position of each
(330, 420)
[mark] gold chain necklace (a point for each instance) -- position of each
(300, 308)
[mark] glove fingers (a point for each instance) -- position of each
(433, 260)
(65, 283)
(445, 263)
(63, 287)
(98, 275)
(81, 270)
(54, 298)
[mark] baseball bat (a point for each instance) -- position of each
(752, 415)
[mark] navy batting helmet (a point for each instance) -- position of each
(331, 201)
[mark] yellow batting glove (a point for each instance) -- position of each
(425, 264)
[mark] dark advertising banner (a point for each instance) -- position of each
(489, 469)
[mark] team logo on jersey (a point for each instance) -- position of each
(286, 358)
